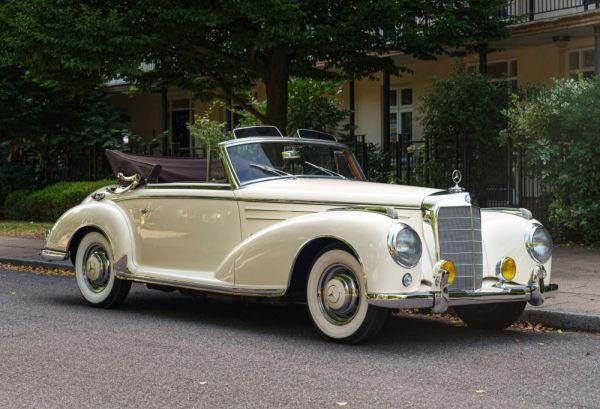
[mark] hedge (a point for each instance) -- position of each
(48, 204)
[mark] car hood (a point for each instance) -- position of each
(335, 191)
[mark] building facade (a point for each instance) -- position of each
(554, 39)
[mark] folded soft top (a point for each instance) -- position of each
(161, 169)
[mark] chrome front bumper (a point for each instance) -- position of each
(54, 255)
(439, 301)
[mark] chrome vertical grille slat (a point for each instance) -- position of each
(459, 233)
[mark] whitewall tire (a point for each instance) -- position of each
(336, 299)
(95, 275)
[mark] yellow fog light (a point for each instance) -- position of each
(451, 269)
(506, 270)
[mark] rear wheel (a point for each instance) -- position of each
(95, 277)
(495, 316)
(337, 301)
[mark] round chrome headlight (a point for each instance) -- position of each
(404, 245)
(539, 243)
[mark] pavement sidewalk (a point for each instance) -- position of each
(575, 269)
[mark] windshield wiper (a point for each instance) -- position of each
(271, 170)
(324, 170)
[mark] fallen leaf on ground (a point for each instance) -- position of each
(540, 343)
(341, 403)
(202, 382)
(480, 391)
(559, 331)
(13, 293)
(38, 270)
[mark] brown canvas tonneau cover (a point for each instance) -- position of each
(161, 169)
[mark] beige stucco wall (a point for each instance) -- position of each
(143, 112)
(536, 64)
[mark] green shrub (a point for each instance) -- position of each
(462, 118)
(49, 203)
(14, 205)
(558, 127)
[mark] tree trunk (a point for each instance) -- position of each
(276, 85)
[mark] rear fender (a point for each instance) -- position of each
(105, 217)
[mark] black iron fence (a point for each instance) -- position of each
(541, 9)
(511, 184)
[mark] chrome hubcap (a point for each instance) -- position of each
(96, 268)
(338, 294)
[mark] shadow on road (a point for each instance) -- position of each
(414, 332)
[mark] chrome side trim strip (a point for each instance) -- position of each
(384, 210)
(54, 255)
(159, 196)
(127, 275)
(256, 200)
(266, 218)
(199, 186)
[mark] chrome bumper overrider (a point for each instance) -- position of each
(54, 255)
(439, 301)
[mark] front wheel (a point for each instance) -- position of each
(95, 275)
(495, 316)
(336, 299)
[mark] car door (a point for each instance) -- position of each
(184, 231)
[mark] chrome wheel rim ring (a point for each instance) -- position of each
(338, 294)
(96, 268)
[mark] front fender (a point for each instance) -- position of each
(266, 258)
(503, 235)
(104, 216)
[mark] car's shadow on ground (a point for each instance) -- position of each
(409, 332)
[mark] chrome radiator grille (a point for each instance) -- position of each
(459, 232)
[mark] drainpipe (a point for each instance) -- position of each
(597, 49)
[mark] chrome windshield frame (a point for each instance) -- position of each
(232, 174)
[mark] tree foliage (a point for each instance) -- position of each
(230, 45)
(312, 104)
(462, 120)
(47, 135)
(557, 125)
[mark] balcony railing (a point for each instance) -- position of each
(530, 10)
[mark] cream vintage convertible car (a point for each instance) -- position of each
(293, 220)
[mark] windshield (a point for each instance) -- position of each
(266, 160)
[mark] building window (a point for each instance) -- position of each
(401, 107)
(581, 61)
(501, 71)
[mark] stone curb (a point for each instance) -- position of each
(577, 321)
(36, 263)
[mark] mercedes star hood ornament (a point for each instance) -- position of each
(456, 178)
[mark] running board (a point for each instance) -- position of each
(123, 273)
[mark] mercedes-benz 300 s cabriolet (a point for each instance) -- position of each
(294, 220)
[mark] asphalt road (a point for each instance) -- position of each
(166, 350)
